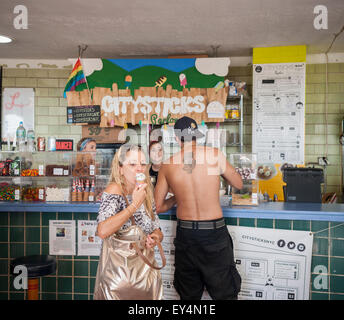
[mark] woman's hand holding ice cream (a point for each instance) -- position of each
(139, 193)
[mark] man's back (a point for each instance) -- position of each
(203, 250)
(193, 175)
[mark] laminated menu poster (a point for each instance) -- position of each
(278, 120)
(274, 264)
(88, 243)
(62, 237)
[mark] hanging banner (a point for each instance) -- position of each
(154, 91)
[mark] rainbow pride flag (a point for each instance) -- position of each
(75, 79)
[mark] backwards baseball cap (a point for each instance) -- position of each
(186, 128)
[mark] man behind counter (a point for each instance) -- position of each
(203, 246)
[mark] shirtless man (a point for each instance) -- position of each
(203, 246)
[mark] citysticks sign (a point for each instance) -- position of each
(153, 91)
(155, 106)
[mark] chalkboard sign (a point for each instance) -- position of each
(83, 114)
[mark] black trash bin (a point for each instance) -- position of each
(303, 184)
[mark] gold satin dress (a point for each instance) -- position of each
(122, 274)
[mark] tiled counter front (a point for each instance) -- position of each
(27, 233)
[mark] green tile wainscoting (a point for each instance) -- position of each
(26, 233)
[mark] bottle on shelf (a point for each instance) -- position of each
(20, 135)
(86, 191)
(31, 140)
(92, 192)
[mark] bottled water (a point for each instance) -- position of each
(31, 140)
(20, 135)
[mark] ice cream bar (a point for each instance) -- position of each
(182, 79)
(128, 80)
(140, 178)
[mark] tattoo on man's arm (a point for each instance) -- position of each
(189, 162)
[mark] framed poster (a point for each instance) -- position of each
(18, 104)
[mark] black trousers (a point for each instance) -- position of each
(204, 258)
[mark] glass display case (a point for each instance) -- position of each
(246, 165)
(53, 176)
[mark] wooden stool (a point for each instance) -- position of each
(37, 266)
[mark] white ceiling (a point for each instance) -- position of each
(122, 28)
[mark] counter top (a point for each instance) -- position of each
(270, 210)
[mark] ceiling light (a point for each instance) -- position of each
(4, 39)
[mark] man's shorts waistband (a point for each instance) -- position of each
(201, 225)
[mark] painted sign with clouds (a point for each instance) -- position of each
(148, 89)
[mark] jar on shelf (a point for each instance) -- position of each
(235, 114)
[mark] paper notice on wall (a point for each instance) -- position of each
(168, 229)
(278, 120)
(88, 243)
(273, 264)
(62, 237)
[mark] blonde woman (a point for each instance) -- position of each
(121, 201)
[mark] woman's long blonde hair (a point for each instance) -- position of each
(116, 176)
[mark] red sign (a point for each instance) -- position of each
(64, 145)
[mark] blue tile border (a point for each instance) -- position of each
(272, 210)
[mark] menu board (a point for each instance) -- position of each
(83, 114)
(278, 121)
(274, 264)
